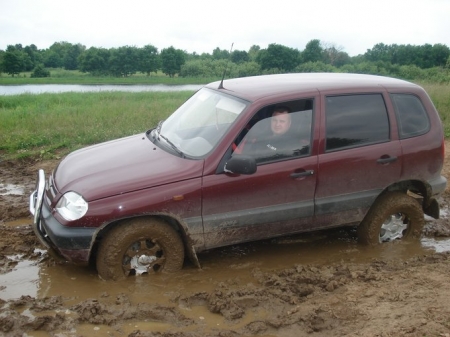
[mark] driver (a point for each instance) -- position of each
(273, 143)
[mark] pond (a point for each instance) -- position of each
(59, 88)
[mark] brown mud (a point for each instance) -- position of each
(318, 284)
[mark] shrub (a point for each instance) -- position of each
(40, 71)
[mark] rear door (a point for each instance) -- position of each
(361, 155)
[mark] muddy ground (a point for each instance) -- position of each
(383, 295)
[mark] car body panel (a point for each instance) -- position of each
(236, 207)
(132, 163)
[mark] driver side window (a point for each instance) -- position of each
(277, 132)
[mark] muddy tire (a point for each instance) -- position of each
(137, 247)
(394, 216)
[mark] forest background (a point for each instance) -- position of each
(64, 62)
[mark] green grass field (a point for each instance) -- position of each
(440, 95)
(51, 125)
(46, 124)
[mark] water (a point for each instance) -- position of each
(7, 90)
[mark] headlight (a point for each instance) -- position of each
(72, 206)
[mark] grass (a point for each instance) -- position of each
(440, 95)
(47, 124)
(51, 125)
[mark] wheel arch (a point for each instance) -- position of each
(171, 220)
(420, 190)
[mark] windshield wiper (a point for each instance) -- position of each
(172, 145)
(158, 135)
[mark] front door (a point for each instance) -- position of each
(279, 198)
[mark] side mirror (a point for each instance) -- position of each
(240, 164)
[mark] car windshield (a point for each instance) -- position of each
(197, 126)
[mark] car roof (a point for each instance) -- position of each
(255, 87)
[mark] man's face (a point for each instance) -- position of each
(281, 122)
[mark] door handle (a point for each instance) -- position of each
(302, 174)
(386, 160)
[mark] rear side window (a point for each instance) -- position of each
(411, 115)
(355, 120)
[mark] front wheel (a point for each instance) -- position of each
(394, 216)
(137, 247)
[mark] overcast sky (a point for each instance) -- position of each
(200, 26)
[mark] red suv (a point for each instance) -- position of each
(248, 159)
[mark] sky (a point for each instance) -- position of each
(200, 26)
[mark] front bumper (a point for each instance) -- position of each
(73, 244)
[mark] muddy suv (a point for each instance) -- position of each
(249, 159)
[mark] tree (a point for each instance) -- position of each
(149, 60)
(253, 52)
(403, 54)
(94, 61)
(379, 52)
(219, 54)
(279, 57)
(71, 54)
(27, 63)
(239, 56)
(172, 59)
(439, 54)
(123, 61)
(206, 56)
(2, 55)
(313, 52)
(33, 57)
(54, 56)
(426, 56)
(51, 59)
(12, 61)
(334, 55)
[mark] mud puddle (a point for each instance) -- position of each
(36, 278)
(314, 284)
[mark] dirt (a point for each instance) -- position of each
(381, 296)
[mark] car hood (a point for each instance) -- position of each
(121, 166)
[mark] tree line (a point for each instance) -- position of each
(406, 61)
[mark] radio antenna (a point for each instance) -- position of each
(226, 66)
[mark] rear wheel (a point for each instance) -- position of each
(395, 216)
(137, 247)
